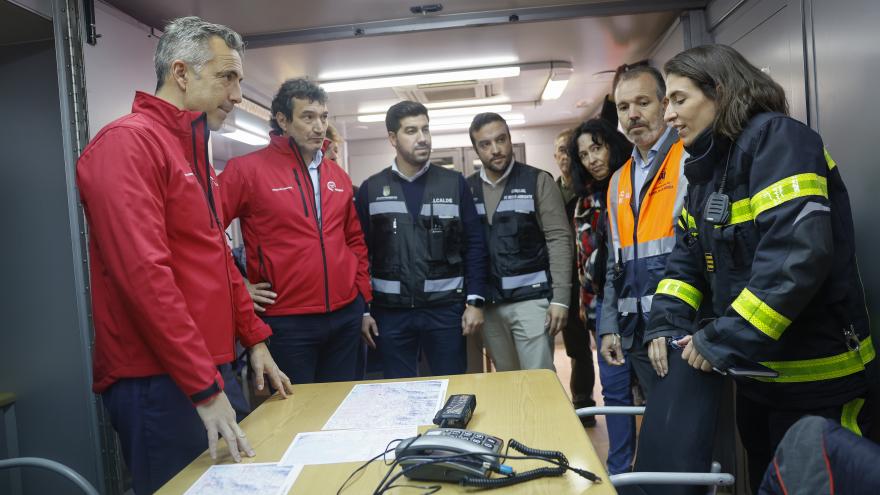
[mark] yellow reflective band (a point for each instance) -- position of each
(760, 315)
(796, 186)
(740, 211)
(688, 219)
(850, 414)
(827, 368)
(682, 290)
(830, 161)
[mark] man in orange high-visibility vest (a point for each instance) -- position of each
(644, 200)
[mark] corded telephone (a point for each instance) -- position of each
(422, 457)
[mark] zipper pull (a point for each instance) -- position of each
(394, 225)
(852, 340)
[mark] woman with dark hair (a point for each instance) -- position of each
(765, 259)
(597, 150)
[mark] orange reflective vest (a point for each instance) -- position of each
(642, 241)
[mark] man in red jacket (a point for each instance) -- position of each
(306, 255)
(168, 302)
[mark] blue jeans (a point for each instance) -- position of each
(617, 391)
(435, 331)
(319, 348)
(158, 426)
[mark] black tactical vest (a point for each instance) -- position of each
(518, 259)
(419, 263)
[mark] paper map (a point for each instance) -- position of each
(246, 479)
(330, 447)
(389, 405)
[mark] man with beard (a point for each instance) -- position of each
(530, 244)
(645, 198)
(427, 254)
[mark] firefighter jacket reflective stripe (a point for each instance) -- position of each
(418, 262)
(518, 258)
(640, 239)
(779, 278)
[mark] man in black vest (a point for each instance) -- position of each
(530, 251)
(427, 253)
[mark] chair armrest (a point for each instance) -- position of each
(647, 478)
(606, 410)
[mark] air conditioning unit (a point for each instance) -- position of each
(451, 91)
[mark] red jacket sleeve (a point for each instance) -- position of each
(354, 237)
(122, 180)
(234, 192)
(234, 197)
(249, 329)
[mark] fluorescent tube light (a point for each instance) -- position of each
(246, 137)
(421, 67)
(425, 78)
(445, 112)
(452, 125)
(251, 128)
(553, 90)
(560, 72)
(385, 105)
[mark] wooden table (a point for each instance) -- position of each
(529, 406)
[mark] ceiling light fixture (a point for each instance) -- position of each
(432, 66)
(422, 78)
(245, 137)
(464, 121)
(470, 112)
(465, 125)
(556, 83)
(385, 105)
(251, 128)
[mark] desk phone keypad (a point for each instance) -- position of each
(475, 437)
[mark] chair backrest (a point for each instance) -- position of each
(56, 467)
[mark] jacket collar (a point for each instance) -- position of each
(707, 152)
(174, 119)
(286, 146)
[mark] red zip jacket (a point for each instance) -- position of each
(165, 293)
(312, 269)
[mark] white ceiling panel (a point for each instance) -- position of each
(590, 44)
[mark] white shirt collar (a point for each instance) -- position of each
(316, 162)
(500, 179)
(637, 156)
(404, 177)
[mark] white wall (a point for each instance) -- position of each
(120, 64)
(669, 45)
(368, 156)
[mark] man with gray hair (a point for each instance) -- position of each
(168, 302)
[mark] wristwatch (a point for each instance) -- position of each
(476, 302)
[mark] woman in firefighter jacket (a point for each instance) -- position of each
(764, 259)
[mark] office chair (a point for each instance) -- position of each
(56, 467)
(712, 479)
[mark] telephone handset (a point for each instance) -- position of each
(421, 457)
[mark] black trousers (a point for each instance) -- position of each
(761, 428)
(678, 429)
(159, 428)
(576, 337)
(319, 348)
